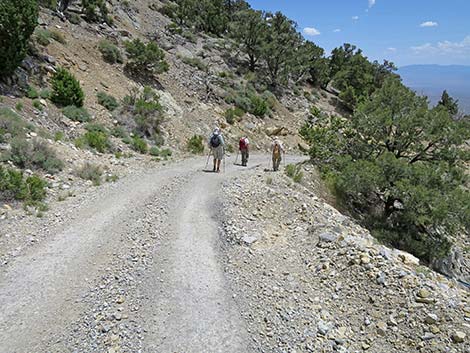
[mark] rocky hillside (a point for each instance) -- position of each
(193, 93)
(309, 279)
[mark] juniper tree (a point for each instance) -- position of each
(18, 19)
(400, 166)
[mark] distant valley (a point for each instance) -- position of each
(431, 80)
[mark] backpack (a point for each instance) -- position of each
(242, 145)
(215, 141)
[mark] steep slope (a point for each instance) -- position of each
(309, 279)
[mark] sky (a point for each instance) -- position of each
(405, 32)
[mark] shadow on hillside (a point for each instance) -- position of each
(144, 78)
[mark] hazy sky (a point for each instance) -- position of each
(403, 31)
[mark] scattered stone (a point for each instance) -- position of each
(382, 328)
(328, 237)
(249, 239)
(431, 319)
(424, 293)
(428, 336)
(458, 337)
(381, 278)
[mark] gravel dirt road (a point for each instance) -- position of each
(55, 296)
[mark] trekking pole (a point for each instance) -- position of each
(224, 161)
(236, 159)
(207, 162)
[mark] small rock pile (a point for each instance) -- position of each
(309, 279)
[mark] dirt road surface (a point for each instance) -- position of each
(183, 303)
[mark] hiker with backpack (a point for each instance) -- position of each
(217, 146)
(277, 150)
(244, 148)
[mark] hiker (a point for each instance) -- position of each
(244, 148)
(217, 146)
(277, 151)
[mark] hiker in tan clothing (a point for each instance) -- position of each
(277, 150)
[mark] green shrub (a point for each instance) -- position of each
(315, 112)
(11, 124)
(18, 18)
(97, 140)
(32, 93)
(139, 145)
(58, 37)
(76, 114)
(45, 93)
(295, 172)
(145, 57)
(156, 152)
(166, 152)
(173, 28)
(90, 172)
(259, 106)
(44, 36)
(59, 136)
(196, 145)
(66, 89)
(233, 114)
(195, 62)
(169, 9)
(190, 36)
(230, 116)
(107, 101)
(75, 19)
(96, 10)
(35, 155)
(35, 189)
(37, 104)
(96, 137)
(248, 100)
(19, 106)
(96, 128)
(147, 112)
(119, 131)
(269, 98)
(13, 185)
(110, 52)
(127, 140)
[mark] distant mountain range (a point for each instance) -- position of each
(431, 80)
